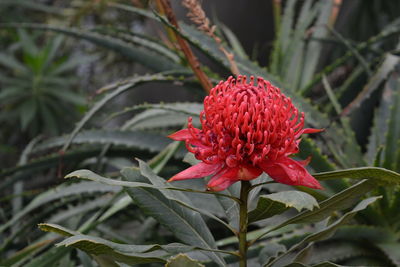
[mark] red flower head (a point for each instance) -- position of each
(246, 129)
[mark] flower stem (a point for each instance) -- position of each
(244, 193)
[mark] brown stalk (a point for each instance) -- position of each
(184, 46)
(335, 11)
(197, 15)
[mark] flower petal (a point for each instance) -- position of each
(199, 170)
(311, 130)
(222, 180)
(228, 176)
(291, 172)
(248, 172)
(181, 135)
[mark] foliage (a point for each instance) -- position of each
(180, 223)
(37, 85)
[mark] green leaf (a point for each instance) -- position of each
(233, 41)
(314, 48)
(380, 123)
(182, 260)
(373, 234)
(58, 193)
(119, 90)
(378, 175)
(75, 155)
(129, 254)
(270, 252)
(340, 201)
(322, 264)
(391, 149)
(162, 115)
(387, 32)
(187, 225)
(27, 42)
(13, 64)
(33, 6)
(380, 75)
(142, 55)
(173, 195)
(130, 139)
(58, 229)
(339, 251)
(330, 229)
(68, 96)
(141, 40)
(70, 64)
(392, 251)
(24, 253)
(50, 257)
(28, 111)
(276, 203)
(133, 9)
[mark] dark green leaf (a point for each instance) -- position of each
(130, 139)
(378, 175)
(330, 229)
(187, 225)
(130, 254)
(276, 203)
(119, 90)
(392, 251)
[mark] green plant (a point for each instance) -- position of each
(98, 210)
(37, 85)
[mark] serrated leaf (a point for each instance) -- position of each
(141, 40)
(119, 90)
(177, 196)
(58, 193)
(276, 203)
(187, 225)
(391, 149)
(163, 115)
(314, 47)
(130, 139)
(182, 260)
(140, 54)
(77, 154)
(380, 75)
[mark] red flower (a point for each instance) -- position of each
(246, 129)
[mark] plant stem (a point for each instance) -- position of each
(244, 193)
(187, 51)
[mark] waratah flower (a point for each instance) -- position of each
(247, 129)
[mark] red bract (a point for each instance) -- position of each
(246, 129)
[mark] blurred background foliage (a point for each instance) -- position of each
(93, 84)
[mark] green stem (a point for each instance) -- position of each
(243, 245)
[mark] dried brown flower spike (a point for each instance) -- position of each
(197, 15)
